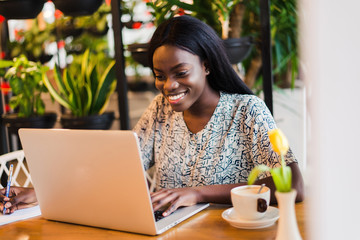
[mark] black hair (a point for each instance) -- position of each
(196, 37)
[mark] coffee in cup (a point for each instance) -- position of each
(248, 203)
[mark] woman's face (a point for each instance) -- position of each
(181, 77)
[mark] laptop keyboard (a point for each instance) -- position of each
(158, 215)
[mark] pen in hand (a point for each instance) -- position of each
(7, 192)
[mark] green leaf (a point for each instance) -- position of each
(59, 83)
(74, 88)
(87, 99)
(16, 85)
(255, 172)
(55, 94)
(14, 102)
(282, 178)
(84, 65)
(104, 89)
(6, 63)
(277, 178)
(287, 175)
(94, 81)
(107, 99)
(40, 106)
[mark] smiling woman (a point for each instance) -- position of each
(206, 131)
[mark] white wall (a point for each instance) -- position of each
(330, 43)
(289, 114)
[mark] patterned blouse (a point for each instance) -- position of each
(234, 140)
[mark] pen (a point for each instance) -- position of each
(7, 192)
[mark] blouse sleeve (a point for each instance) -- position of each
(262, 151)
(145, 130)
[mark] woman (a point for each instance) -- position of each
(206, 130)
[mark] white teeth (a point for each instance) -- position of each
(176, 97)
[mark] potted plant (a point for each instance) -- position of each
(85, 94)
(32, 43)
(95, 25)
(285, 195)
(25, 79)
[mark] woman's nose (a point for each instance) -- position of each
(171, 84)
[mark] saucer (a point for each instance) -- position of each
(271, 215)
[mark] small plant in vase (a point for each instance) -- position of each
(24, 77)
(285, 195)
(25, 80)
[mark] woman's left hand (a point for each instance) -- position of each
(175, 198)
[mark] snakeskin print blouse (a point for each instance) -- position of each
(234, 141)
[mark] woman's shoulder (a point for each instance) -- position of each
(245, 104)
(244, 100)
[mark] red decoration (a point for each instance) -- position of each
(108, 2)
(7, 108)
(2, 19)
(181, 11)
(58, 14)
(5, 88)
(61, 44)
(136, 25)
(18, 34)
(2, 55)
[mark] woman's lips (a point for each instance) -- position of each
(173, 99)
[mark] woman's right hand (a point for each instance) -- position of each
(19, 198)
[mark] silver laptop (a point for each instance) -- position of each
(94, 178)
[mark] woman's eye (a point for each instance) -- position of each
(160, 77)
(181, 74)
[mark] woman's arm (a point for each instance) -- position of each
(221, 193)
(217, 193)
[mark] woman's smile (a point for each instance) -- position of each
(174, 99)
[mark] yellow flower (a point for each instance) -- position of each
(278, 141)
(281, 175)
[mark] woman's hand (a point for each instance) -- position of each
(175, 198)
(19, 198)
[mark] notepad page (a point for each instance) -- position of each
(20, 215)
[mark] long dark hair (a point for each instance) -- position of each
(196, 37)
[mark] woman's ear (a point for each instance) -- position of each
(207, 69)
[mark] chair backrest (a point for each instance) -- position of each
(21, 176)
(151, 178)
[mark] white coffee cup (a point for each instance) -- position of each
(248, 203)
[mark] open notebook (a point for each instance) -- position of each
(95, 178)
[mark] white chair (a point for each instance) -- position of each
(151, 178)
(21, 176)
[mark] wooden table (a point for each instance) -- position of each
(207, 224)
